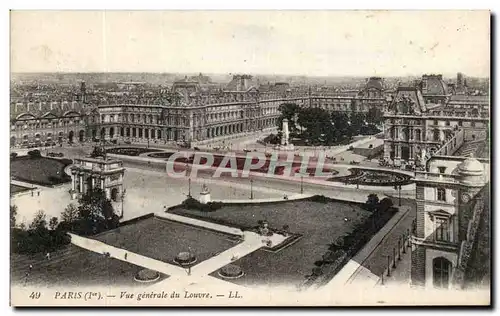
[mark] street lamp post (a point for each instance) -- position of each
(302, 184)
(189, 187)
(123, 199)
(251, 189)
(399, 188)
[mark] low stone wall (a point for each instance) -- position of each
(142, 162)
(200, 223)
(369, 152)
(295, 197)
(353, 271)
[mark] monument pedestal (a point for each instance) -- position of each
(205, 195)
(73, 194)
(288, 147)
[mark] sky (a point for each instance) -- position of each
(310, 43)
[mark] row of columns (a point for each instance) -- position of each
(79, 182)
(179, 134)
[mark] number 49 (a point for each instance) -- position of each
(35, 295)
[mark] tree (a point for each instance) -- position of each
(53, 223)
(385, 204)
(70, 214)
(372, 202)
(317, 125)
(288, 111)
(39, 221)
(357, 122)
(375, 115)
(96, 214)
(340, 126)
(13, 214)
(95, 205)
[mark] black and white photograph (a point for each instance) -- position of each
(250, 158)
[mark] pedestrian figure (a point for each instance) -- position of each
(126, 255)
(48, 255)
(38, 193)
(31, 267)
(26, 276)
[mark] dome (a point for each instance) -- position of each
(471, 165)
(374, 82)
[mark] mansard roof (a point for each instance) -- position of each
(434, 85)
(374, 83)
(408, 100)
(36, 110)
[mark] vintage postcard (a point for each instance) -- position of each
(250, 158)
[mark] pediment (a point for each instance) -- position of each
(439, 213)
(49, 115)
(26, 116)
(71, 114)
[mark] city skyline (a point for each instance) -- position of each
(361, 43)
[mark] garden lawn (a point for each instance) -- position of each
(163, 240)
(17, 188)
(319, 223)
(75, 267)
(40, 170)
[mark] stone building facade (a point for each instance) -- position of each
(190, 112)
(451, 196)
(421, 118)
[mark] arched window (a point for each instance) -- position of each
(418, 135)
(441, 194)
(441, 271)
(436, 135)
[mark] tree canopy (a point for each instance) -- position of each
(94, 214)
(317, 126)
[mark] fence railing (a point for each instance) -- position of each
(404, 246)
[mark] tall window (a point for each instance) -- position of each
(441, 194)
(442, 229)
(441, 272)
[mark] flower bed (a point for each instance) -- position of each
(231, 271)
(147, 275)
(373, 178)
(185, 259)
(130, 151)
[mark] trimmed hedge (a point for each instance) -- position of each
(193, 204)
(340, 252)
(34, 153)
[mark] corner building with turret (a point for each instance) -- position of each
(450, 240)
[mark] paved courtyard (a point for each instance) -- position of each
(147, 192)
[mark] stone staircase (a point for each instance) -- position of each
(476, 148)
